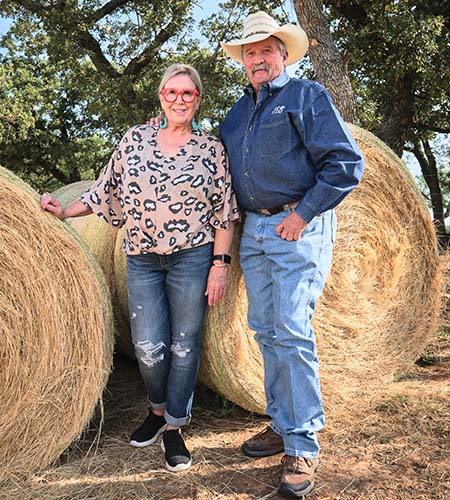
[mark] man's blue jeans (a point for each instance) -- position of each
(166, 296)
(284, 279)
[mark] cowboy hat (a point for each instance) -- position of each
(260, 26)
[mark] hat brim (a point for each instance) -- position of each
(293, 37)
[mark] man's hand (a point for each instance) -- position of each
(291, 227)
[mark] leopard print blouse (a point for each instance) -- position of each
(165, 203)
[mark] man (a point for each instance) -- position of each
(292, 160)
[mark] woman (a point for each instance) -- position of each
(171, 189)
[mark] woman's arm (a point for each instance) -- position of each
(75, 209)
(218, 274)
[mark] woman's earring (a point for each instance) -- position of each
(194, 125)
(163, 122)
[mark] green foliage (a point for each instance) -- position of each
(385, 40)
(398, 54)
(75, 76)
(46, 134)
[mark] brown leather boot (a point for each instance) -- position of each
(297, 477)
(263, 444)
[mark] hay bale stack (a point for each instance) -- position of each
(101, 238)
(124, 342)
(380, 305)
(56, 334)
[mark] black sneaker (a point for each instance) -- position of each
(177, 455)
(147, 433)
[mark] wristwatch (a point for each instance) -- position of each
(223, 257)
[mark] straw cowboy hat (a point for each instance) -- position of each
(260, 26)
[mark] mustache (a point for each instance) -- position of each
(258, 67)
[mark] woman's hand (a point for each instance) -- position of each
(217, 284)
(50, 204)
(75, 209)
(155, 121)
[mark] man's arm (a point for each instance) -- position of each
(333, 151)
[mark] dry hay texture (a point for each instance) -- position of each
(377, 312)
(56, 332)
(100, 237)
(380, 305)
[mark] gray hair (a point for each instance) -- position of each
(181, 69)
(283, 49)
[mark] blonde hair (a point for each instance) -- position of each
(181, 69)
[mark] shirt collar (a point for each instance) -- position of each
(277, 83)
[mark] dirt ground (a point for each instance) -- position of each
(395, 446)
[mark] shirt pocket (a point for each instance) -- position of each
(277, 136)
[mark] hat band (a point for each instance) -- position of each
(257, 33)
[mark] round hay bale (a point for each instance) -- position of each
(56, 332)
(380, 305)
(100, 237)
(125, 344)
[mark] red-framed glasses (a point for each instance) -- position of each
(171, 95)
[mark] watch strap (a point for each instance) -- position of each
(223, 257)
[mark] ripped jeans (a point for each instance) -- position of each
(166, 297)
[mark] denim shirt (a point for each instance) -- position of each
(290, 145)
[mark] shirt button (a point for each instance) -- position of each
(251, 198)
(246, 150)
(247, 173)
(250, 128)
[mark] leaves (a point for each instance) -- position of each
(76, 75)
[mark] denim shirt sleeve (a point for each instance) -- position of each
(337, 159)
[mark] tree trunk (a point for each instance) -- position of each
(330, 66)
(424, 154)
(398, 114)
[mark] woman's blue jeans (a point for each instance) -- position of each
(284, 279)
(166, 296)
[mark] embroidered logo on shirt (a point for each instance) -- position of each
(278, 110)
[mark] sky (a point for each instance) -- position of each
(4, 25)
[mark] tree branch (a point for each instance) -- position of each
(352, 11)
(427, 161)
(34, 7)
(108, 8)
(397, 109)
(90, 44)
(331, 68)
(139, 62)
(421, 158)
(432, 128)
(82, 36)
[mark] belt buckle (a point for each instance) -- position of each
(290, 207)
(276, 210)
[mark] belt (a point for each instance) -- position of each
(276, 210)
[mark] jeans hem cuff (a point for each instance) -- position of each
(176, 421)
(276, 429)
(297, 453)
(157, 406)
